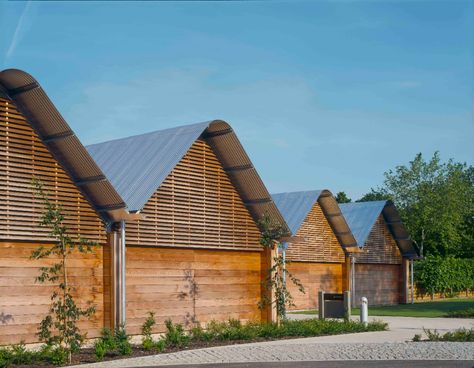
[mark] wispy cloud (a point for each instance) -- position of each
(24, 22)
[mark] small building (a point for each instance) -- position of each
(381, 268)
(174, 214)
(318, 258)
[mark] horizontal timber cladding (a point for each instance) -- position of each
(314, 277)
(23, 157)
(380, 246)
(24, 302)
(196, 206)
(191, 285)
(320, 244)
(379, 283)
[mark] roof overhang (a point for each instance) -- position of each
(338, 223)
(243, 175)
(28, 96)
(399, 231)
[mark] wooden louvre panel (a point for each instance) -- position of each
(380, 246)
(23, 157)
(196, 206)
(320, 245)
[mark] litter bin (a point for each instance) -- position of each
(334, 305)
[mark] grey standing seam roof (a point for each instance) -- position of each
(138, 165)
(361, 217)
(295, 207)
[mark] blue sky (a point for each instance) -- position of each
(321, 94)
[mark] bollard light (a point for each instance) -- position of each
(364, 311)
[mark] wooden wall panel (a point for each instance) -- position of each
(380, 246)
(380, 283)
(196, 207)
(24, 303)
(226, 284)
(24, 157)
(314, 277)
(321, 245)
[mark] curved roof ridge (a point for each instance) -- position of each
(32, 101)
(138, 165)
(362, 216)
(295, 207)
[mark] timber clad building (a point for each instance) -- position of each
(318, 258)
(381, 269)
(174, 213)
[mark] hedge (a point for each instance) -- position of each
(445, 275)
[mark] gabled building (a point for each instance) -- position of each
(174, 213)
(194, 254)
(318, 258)
(381, 268)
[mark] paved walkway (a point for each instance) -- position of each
(400, 328)
(384, 345)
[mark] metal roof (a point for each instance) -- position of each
(295, 207)
(361, 217)
(138, 165)
(53, 130)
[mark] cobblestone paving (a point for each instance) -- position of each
(275, 352)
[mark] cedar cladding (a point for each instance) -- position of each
(196, 206)
(321, 243)
(23, 157)
(380, 246)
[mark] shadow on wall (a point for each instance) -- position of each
(192, 293)
(5, 318)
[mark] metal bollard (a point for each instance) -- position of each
(364, 311)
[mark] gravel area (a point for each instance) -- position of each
(275, 352)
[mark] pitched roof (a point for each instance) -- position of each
(138, 165)
(56, 134)
(295, 207)
(362, 216)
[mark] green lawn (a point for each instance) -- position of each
(438, 308)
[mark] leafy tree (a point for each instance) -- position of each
(341, 197)
(276, 281)
(374, 195)
(59, 328)
(436, 202)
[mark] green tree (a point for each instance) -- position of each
(436, 202)
(59, 328)
(341, 197)
(278, 275)
(374, 195)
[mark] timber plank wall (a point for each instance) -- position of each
(378, 269)
(317, 262)
(23, 302)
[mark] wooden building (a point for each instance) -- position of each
(174, 214)
(318, 260)
(380, 270)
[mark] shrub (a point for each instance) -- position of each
(459, 335)
(466, 313)
(175, 336)
(417, 338)
(116, 342)
(147, 341)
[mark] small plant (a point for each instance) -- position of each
(59, 328)
(459, 335)
(416, 338)
(112, 342)
(147, 341)
(271, 233)
(175, 336)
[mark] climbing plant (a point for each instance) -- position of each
(271, 234)
(59, 329)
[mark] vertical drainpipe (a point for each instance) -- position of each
(412, 284)
(122, 273)
(353, 296)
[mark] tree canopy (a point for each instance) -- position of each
(341, 197)
(436, 203)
